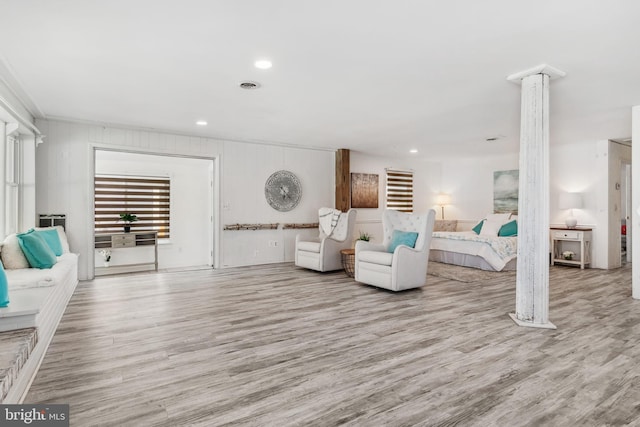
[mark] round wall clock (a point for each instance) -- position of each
(283, 191)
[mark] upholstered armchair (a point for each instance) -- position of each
(400, 262)
(323, 253)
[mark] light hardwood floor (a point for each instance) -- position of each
(277, 345)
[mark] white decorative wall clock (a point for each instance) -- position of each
(283, 191)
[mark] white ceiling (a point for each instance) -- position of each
(375, 76)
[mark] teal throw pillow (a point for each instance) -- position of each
(4, 287)
(402, 238)
(52, 239)
(36, 250)
(509, 229)
(478, 228)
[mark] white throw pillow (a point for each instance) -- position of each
(502, 218)
(12, 255)
(490, 228)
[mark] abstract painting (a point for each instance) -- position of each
(364, 190)
(505, 191)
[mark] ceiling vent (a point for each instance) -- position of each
(249, 85)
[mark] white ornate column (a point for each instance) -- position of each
(532, 280)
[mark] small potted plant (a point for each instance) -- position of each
(128, 218)
(568, 255)
(106, 255)
(364, 236)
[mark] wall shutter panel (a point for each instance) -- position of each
(400, 190)
(147, 197)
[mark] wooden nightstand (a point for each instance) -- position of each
(576, 240)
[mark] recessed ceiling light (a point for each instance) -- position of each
(249, 85)
(263, 64)
(413, 150)
(201, 123)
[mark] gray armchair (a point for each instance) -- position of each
(403, 268)
(323, 253)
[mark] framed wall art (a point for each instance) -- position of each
(364, 190)
(505, 191)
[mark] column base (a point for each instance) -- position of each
(519, 322)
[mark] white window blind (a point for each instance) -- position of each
(146, 197)
(400, 190)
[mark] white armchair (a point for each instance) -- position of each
(323, 253)
(405, 267)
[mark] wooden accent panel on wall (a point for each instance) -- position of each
(343, 198)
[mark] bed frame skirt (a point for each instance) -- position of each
(465, 260)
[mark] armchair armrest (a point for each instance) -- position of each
(362, 245)
(410, 266)
(301, 238)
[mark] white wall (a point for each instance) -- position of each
(65, 170)
(191, 205)
(426, 183)
(246, 168)
(469, 181)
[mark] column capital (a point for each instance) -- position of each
(550, 71)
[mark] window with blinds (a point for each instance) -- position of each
(146, 197)
(400, 190)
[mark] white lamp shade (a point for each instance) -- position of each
(570, 201)
(443, 199)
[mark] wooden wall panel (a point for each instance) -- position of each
(343, 199)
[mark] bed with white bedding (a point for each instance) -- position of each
(490, 247)
(468, 249)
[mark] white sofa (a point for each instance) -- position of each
(38, 299)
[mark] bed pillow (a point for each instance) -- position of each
(402, 238)
(478, 227)
(12, 256)
(509, 229)
(497, 217)
(445, 225)
(52, 239)
(36, 250)
(490, 228)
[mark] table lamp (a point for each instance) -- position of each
(442, 200)
(570, 201)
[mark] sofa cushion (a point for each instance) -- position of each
(375, 257)
(64, 243)
(4, 288)
(26, 278)
(52, 239)
(309, 246)
(12, 255)
(38, 253)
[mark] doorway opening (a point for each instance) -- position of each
(163, 192)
